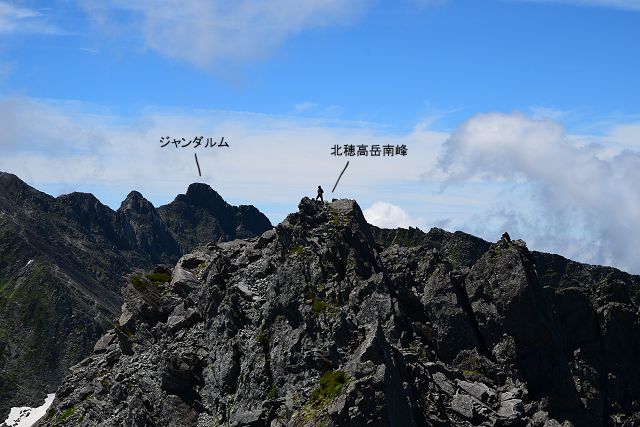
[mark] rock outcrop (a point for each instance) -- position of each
(316, 324)
(144, 230)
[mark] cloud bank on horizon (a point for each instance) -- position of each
(508, 128)
(585, 192)
(572, 194)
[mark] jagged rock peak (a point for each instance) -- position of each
(314, 324)
(319, 221)
(202, 215)
(13, 188)
(85, 207)
(136, 202)
(61, 266)
(201, 194)
(337, 212)
(79, 198)
(133, 196)
(337, 229)
(9, 177)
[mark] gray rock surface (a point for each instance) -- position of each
(317, 324)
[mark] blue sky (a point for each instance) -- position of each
(518, 115)
(392, 62)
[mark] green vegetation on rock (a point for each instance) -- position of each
(330, 386)
(158, 277)
(155, 278)
(136, 281)
(28, 288)
(298, 250)
(262, 339)
(338, 220)
(272, 392)
(65, 414)
(318, 306)
(201, 267)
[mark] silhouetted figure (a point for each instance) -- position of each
(319, 196)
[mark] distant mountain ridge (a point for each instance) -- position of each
(62, 260)
(201, 215)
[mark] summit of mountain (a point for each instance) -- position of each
(202, 215)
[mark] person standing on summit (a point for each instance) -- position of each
(319, 196)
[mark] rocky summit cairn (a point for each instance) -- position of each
(315, 324)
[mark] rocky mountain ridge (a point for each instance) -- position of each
(61, 265)
(324, 322)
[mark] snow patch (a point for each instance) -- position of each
(25, 416)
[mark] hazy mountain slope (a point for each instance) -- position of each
(62, 262)
(59, 288)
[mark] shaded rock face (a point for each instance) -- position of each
(314, 323)
(461, 249)
(144, 229)
(516, 323)
(201, 215)
(59, 286)
(61, 265)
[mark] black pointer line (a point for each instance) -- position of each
(199, 173)
(345, 168)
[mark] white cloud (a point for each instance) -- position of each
(11, 15)
(386, 215)
(89, 50)
(502, 171)
(628, 136)
(272, 161)
(541, 112)
(209, 34)
(17, 19)
(578, 203)
(633, 5)
(304, 107)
